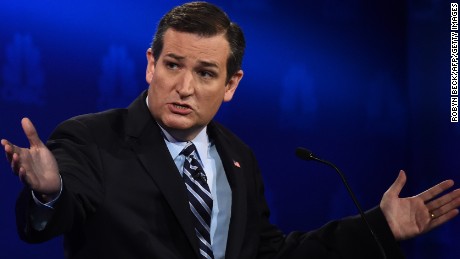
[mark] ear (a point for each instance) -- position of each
(232, 84)
(150, 66)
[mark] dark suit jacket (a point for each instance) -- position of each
(123, 197)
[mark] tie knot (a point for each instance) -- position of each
(188, 149)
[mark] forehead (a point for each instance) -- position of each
(194, 47)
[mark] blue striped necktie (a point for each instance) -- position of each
(200, 198)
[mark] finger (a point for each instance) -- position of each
(398, 184)
(436, 190)
(27, 178)
(31, 133)
(22, 175)
(445, 209)
(15, 163)
(9, 149)
(7, 145)
(443, 200)
(4, 142)
(442, 219)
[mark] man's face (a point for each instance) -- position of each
(187, 84)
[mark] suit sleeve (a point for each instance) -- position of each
(77, 157)
(344, 238)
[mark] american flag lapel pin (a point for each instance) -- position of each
(236, 164)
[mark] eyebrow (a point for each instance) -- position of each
(174, 56)
(202, 62)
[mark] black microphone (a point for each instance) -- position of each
(306, 154)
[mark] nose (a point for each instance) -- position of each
(185, 85)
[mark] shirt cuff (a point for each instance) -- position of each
(41, 213)
(50, 203)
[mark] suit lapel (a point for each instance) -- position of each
(234, 172)
(146, 140)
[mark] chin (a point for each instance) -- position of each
(177, 126)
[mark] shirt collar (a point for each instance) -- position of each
(201, 142)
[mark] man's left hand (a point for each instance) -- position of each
(412, 216)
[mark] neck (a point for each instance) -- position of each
(182, 135)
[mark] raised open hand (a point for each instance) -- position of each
(35, 166)
(412, 216)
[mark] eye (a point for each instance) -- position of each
(172, 65)
(206, 74)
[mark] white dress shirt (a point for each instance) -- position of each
(217, 182)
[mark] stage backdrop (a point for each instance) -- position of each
(365, 84)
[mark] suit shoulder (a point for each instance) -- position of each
(101, 117)
(101, 123)
(217, 130)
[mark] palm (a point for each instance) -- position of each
(39, 169)
(35, 166)
(409, 217)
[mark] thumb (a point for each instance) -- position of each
(31, 133)
(396, 187)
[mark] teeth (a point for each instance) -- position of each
(180, 107)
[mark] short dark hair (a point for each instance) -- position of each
(206, 20)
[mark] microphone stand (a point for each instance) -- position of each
(305, 154)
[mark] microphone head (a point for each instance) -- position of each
(304, 153)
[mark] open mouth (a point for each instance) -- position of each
(182, 109)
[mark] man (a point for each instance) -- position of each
(161, 179)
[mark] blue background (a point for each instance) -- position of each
(362, 83)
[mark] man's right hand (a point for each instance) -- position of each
(35, 166)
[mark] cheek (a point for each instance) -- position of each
(156, 96)
(214, 99)
(158, 87)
